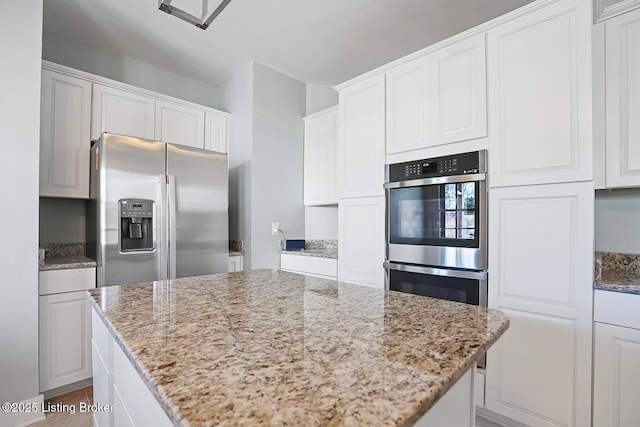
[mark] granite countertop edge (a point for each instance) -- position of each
(428, 401)
(317, 253)
(67, 263)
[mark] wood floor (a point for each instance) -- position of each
(79, 419)
(69, 403)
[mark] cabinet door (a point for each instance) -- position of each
(179, 124)
(320, 140)
(122, 112)
(361, 151)
(216, 132)
(361, 235)
(407, 88)
(616, 382)
(539, 69)
(623, 100)
(541, 276)
(65, 339)
(459, 92)
(65, 117)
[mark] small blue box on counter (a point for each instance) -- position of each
(293, 245)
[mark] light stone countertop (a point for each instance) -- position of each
(273, 348)
(331, 253)
(67, 262)
(627, 282)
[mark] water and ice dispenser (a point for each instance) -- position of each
(136, 225)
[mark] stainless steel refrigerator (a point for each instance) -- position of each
(156, 210)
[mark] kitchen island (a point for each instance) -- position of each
(276, 348)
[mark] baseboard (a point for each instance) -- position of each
(67, 388)
(23, 418)
(497, 418)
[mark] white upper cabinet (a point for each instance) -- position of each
(459, 92)
(623, 100)
(216, 131)
(408, 106)
(361, 142)
(539, 74)
(65, 118)
(179, 124)
(122, 112)
(320, 141)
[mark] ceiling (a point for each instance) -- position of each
(314, 41)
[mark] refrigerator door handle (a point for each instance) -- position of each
(162, 227)
(171, 241)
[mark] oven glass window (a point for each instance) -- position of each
(436, 215)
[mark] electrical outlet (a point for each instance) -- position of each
(275, 228)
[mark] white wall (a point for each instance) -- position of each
(617, 221)
(62, 220)
(320, 97)
(21, 35)
(65, 51)
(277, 180)
(236, 97)
(321, 222)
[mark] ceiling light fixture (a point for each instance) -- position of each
(197, 12)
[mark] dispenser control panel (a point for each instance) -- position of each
(136, 225)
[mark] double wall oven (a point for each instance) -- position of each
(437, 227)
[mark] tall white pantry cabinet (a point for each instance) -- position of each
(541, 214)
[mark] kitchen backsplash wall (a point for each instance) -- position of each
(62, 220)
(617, 221)
(321, 222)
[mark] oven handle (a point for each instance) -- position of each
(437, 180)
(462, 274)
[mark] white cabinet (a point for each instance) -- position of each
(118, 384)
(438, 98)
(539, 81)
(236, 263)
(459, 92)
(65, 120)
(623, 100)
(122, 112)
(216, 133)
(361, 141)
(320, 141)
(64, 327)
(616, 374)
(179, 124)
(326, 268)
(407, 106)
(541, 276)
(361, 236)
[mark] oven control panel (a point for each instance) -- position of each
(458, 164)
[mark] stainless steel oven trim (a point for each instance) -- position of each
(437, 180)
(434, 271)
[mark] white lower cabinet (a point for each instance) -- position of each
(64, 329)
(361, 236)
(236, 263)
(118, 384)
(616, 374)
(326, 268)
(541, 276)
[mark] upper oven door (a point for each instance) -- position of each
(438, 221)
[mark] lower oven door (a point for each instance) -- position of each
(469, 287)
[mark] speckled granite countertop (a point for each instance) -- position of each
(319, 253)
(617, 272)
(275, 348)
(67, 262)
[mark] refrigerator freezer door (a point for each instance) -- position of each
(198, 211)
(130, 168)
